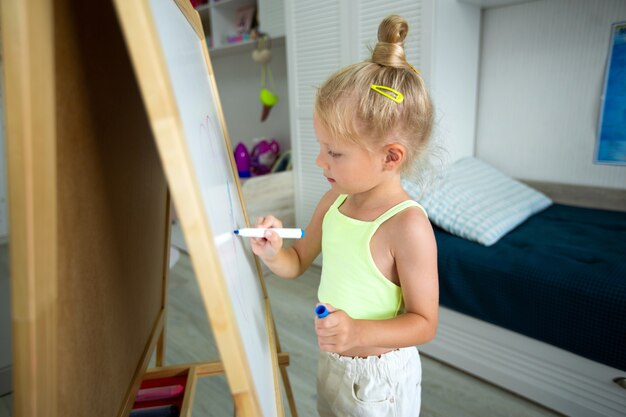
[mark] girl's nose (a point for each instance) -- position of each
(319, 161)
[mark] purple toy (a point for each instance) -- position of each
(242, 160)
(263, 156)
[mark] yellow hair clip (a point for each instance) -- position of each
(380, 89)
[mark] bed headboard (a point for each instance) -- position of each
(582, 196)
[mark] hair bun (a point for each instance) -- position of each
(389, 50)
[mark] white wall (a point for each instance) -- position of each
(449, 62)
(238, 80)
(541, 79)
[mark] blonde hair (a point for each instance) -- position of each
(350, 110)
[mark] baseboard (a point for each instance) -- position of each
(553, 377)
(6, 380)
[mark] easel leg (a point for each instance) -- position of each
(160, 349)
(288, 392)
(285, 376)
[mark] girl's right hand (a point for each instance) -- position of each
(267, 247)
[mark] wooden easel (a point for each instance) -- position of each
(89, 216)
(155, 78)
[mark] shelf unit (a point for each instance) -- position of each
(219, 20)
(247, 46)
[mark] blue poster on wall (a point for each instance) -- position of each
(611, 142)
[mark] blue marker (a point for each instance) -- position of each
(321, 311)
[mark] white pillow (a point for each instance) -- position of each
(477, 202)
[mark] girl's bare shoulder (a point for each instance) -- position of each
(409, 226)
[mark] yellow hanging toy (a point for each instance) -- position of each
(262, 55)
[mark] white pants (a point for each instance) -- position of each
(389, 385)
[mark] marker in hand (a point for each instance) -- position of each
(321, 311)
(260, 232)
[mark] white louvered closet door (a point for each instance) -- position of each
(323, 36)
(313, 52)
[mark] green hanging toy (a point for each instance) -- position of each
(262, 55)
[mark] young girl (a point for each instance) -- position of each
(379, 275)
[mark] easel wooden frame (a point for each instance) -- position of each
(32, 173)
(50, 111)
(152, 74)
(51, 95)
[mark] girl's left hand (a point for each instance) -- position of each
(336, 332)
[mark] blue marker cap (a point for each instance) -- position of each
(321, 311)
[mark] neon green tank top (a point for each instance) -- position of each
(350, 280)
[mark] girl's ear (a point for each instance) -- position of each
(394, 156)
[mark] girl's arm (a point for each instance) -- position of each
(415, 253)
(291, 262)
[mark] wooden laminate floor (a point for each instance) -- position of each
(6, 405)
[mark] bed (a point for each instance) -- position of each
(542, 311)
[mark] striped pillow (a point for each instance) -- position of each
(477, 202)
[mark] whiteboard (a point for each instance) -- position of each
(175, 76)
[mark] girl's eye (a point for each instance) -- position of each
(333, 154)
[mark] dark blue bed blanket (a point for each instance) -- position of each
(560, 277)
